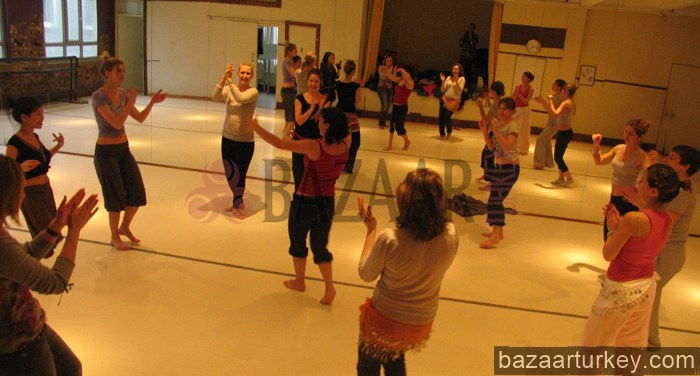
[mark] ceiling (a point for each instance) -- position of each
(676, 7)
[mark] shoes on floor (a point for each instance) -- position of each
(559, 182)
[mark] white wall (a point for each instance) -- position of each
(178, 35)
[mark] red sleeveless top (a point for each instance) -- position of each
(401, 94)
(320, 175)
(636, 258)
(524, 92)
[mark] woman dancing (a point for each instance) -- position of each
(349, 97)
(503, 176)
(330, 75)
(522, 95)
(289, 86)
(452, 88)
(564, 115)
(307, 107)
(302, 74)
(496, 92)
(403, 89)
(385, 88)
(543, 145)
(39, 206)
(237, 137)
(313, 205)
(628, 161)
(410, 262)
(28, 345)
(620, 314)
(119, 175)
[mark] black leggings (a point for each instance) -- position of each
(236, 156)
(563, 139)
(623, 206)
(398, 118)
(444, 120)
(503, 178)
(352, 153)
(367, 365)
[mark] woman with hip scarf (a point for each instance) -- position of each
(289, 86)
(39, 206)
(385, 88)
(410, 261)
(564, 114)
(506, 169)
(237, 137)
(685, 161)
(28, 345)
(496, 92)
(452, 88)
(543, 145)
(307, 113)
(522, 95)
(620, 315)
(403, 89)
(313, 205)
(628, 161)
(119, 175)
(330, 75)
(349, 97)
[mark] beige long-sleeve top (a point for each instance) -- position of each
(240, 109)
(410, 273)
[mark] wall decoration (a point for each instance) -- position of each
(587, 75)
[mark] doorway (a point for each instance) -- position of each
(680, 111)
(129, 46)
(266, 71)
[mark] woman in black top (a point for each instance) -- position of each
(39, 207)
(307, 108)
(330, 75)
(349, 96)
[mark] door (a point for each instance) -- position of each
(231, 42)
(130, 48)
(306, 36)
(681, 112)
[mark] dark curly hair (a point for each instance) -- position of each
(421, 201)
(664, 179)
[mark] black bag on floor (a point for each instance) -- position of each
(467, 206)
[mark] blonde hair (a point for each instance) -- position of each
(247, 64)
(309, 60)
(640, 126)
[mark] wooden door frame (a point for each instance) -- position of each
(304, 24)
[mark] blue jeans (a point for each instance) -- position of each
(386, 97)
(47, 355)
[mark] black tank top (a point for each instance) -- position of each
(27, 152)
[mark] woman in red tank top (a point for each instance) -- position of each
(313, 205)
(620, 314)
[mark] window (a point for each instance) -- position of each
(70, 28)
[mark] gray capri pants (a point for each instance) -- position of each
(119, 177)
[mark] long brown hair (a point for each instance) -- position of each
(421, 201)
(10, 188)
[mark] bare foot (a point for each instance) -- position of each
(488, 235)
(126, 232)
(490, 243)
(406, 145)
(387, 148)
(293, 284)
(119, 245)
(448, 137)
(486, 187)
(329, 296)
(480, 178)
(237, 212)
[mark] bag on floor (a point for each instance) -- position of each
(467, 206)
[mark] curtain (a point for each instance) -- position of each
(495, 39)
(371, 38)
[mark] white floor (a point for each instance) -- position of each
(203, 294)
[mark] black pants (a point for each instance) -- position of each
(314, 216)
(563, 139)
(368, 365)
(352, 153)
(236, 156)
(503, 178)
(444, 120)
(488, 161)
(398, 119)
(297, 169)
(623, 206)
